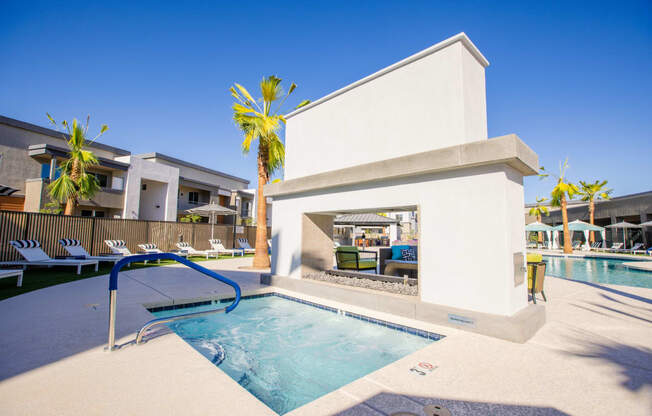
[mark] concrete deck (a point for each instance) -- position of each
(639, 265)
(593, 356)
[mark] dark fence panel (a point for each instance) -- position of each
(49, 228)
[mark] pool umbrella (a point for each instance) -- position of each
(538, 226)
(625, 226)
(585, 227)
(211, 211)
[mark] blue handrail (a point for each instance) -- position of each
(113, 283)
(113, 280)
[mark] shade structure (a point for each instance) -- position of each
(211, 211)
(625, 226)
(646, 224)
(578, 225)
(582, 226)
(538, 226)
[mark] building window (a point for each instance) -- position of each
(102, 179)
(118, 183)
(45, 171)
(193, 197)
(99, 214)
(86, 213)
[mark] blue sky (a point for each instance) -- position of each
(572, 79)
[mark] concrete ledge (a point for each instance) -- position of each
(639, 265)
(509, 150)
(516, 328)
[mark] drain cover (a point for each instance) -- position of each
(435, 410)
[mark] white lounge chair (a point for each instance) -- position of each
(634, 249)
(76, 250)
(219, 247)
(186, 248)
(244, 244)
(13, 273)
(35, 256)
(614, 247)
(119, 247)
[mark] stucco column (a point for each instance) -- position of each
(316, 243)
(53, 168)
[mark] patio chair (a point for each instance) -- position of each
(76, 250)
(634, 249)
(244, 244)
(536, 273)
(348, 258)
(119, 247)
(614, 247)
(13, 273)
(596, 245)
(219, 247)
(35, 256)
(190, 251)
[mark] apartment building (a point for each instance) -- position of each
(148, 186)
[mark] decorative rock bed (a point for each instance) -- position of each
(398, 288)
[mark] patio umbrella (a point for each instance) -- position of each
(211, 211)
(625, 226)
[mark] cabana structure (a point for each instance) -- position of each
(413, 137)
(538, 227)
(578, 225)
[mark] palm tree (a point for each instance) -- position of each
(591, 192)
(75, 182)
(538, 210)
(258, 121)
(563, 189)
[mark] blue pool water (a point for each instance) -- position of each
(287, 353)
(597, 270)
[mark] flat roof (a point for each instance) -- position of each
(579, 202)
(460, 37)
(156, 155)
(57, 134)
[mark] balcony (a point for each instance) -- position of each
(107, 198)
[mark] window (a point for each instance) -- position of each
(193, 197)
(102, 179)
(399, 217)
(45, 171)
(86, 213)
(118, 183)
(99, 214)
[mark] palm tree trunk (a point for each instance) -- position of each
(71, 203)
(539, 234)
(568, 248)
(591, 212)
(261, 258)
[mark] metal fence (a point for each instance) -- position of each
(92, 231)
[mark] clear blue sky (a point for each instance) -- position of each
(572, 79)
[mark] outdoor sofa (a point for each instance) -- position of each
(393, 263)
(35, 256)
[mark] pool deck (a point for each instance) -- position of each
(592, 357)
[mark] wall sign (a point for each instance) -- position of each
(239, 229)
(460, 320)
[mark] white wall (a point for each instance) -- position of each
(139, 170)
(152, 200)
(470, 226)
(432, 102)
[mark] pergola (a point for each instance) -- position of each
(578, 225)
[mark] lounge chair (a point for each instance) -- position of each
(13, 273)
(119, 247)
(185, 247)
(636, 248)
(217, 245)
(349, 258)
(244, 244)
(596, 245)
(615, 247)
(77, 251)
(35, 256)
(577, 244)
(536, 273)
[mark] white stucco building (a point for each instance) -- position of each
(413, 137)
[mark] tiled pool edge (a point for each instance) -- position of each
(380, 322)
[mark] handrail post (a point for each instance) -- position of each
(113, 294)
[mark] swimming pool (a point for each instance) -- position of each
(288, 353)
(597, 270)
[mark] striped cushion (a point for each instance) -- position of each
(183, 244)
(69, 242)
(25, 243)
(215, 241)
(115, 243)
(148, 246)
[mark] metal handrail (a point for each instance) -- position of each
(113, 293)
